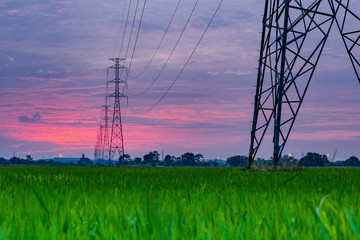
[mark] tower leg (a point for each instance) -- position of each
(350, 33)
(288, 59)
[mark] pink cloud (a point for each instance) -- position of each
(31, 78)
(15, 12)
(213, 73)
(238, 73)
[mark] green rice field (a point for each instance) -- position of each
(178, 203)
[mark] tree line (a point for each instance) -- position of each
(309, 160)
(153, 159)
(195, 160)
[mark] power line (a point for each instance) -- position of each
(123, 37)
(130, 37)
(125, 87)
(172, 52)
(132, 28)
(136, 40)
(160, 43)
(184, 66)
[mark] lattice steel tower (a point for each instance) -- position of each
(105, 138)
(102, 139)
(99, 141)
(293, 37)
(116, 143)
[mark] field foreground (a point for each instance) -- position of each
(178, 203)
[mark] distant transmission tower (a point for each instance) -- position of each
(99, 142)
(105, 138)
(116, 143)
(293, 37)
(102, 139)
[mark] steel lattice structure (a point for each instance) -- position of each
(102, 139)
(99, 142)
(105, 137)
(116, 141)
(293, 37)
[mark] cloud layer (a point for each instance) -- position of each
(25, 119)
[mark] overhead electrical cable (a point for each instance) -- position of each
(135, 44)
(128, 46)
(172, 52)
(129, 42)
(121, 26)
(124, 33)
(184, 66)
(160, 43)
(136, 39)
(132, 29)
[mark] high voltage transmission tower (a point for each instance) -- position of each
(99, 142)
(116, 141)
(105, 138)
(102, 140)
(293, 37)
(107, 145)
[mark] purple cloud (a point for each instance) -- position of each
(25, 119)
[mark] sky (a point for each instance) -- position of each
(53, 60)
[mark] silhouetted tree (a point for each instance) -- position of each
(3, 161)
(167, 160)
(197, 158)
(137, 160)
(352, 162)
(314, 160)
(237, 161)
(16, 160)
(151, 157)
(199, 155)
(20, 161)
(188, 159)
(123, 160)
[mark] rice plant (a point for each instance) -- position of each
(178, 203)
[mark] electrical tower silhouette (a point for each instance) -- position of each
(293, 37)
(116, 141)
(105, 138)
(99, 142)
(102, 140)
